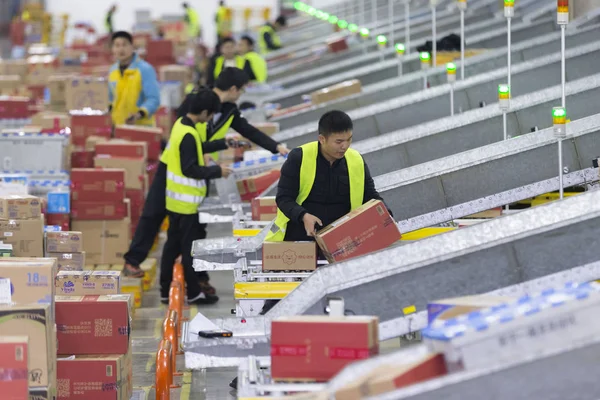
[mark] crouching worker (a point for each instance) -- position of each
(186, 188)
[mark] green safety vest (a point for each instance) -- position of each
(220, 61)
(189, 88)
(308, 171)
(221, 132)
(193, 23)
(183, 195)
(258, 66)
(262, 44)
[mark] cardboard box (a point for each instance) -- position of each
(57, 85)
(364, 230)
(289, 256)
(64, 242)
(82, 159)
(337, 91)
(20, 207)
(269, 128)
(99, 211)
(86, 92)
(123, 148)
(151, 135)
(62, 220)
(14, 379)
(316, 348)
(92, 141)
(264, 208)
(85, 283)
(34, 321)
(87, 377)
(85, 124)
(106, 241)
(69, 261)
(253, 186)
(135, 168)
(135, 288)
(92, 324)
(97, 184)
(13, 67)
(442, 310)
(31, 280)
(15, 107)
(25, 235)
(10, 82)
(180, 73)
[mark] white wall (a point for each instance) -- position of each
(94, 11)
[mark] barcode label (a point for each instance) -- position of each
(5, 292)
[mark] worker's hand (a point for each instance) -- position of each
(282, 149)
(132, 118)
(225, 171)
(309, 223)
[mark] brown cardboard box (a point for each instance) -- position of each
(337, 91)
(105, 241)
(137, 133)
(64, 242)
(135, 168)
(92, 141)
(20, 207)
(180, 73)
(13, 67)
(34, 321)
(84, 283)
(364, 230)
(69, 261)
(93, 324)
(57, 85)
(10, 82)
(253, 186)
(123, 148)
(25, 235)
(442, 310)
(358, 389)
(86, 92)
(293, 256)
(51, 120)
(269, 128)
(39, 69)
(264, 208)
(14, 354)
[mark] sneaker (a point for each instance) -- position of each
(233, 383)
(207, 288)
(203, 299)
(132, 271)
(164, 300)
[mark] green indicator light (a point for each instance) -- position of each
(559, 112)
(353, 28)
(325, 17)
(319, 14)
(509, 3)
(342, 24)
(333, 19)
(298, 5)
(451, 67)
(400, 48)
(381, 39)
(312, 11)
(364, 32)
(503, 89)
(425, 56)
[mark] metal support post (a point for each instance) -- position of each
(391, 16)
(509, 45)
(462, 45)
(374, 13)
(434, 32)
(407, 25)
(560, 115)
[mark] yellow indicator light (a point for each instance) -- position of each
(509, 3)
(451, 68)
(503, 92)
(563, 6)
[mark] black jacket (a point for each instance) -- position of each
(188, 152)
(329, 198)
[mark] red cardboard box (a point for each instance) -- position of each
(98, 211)
(94, 377)
(62, 220)
(318, 347)
(85, 125)
(264, 208)
(137, 200)
(150, 135)
(364, 230)
(92, 324)
(337, 45)
(96, 184)
(123, 149)
(159, 49)
(14, 376)
(82, 159)
(253, 186)
(15, 107)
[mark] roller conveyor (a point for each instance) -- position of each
(502, 252)
(413, 82)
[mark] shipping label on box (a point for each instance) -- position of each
(69, 261)
(14, 379)
(35, 322)
(20, 207)
(364, 230)
(64, 242)
(264, 208)
(106, 241)
(97, 184)
(293, 256)
(25, 235)
(83, 283)
(87, 92)
(92, 324)
(135, 168)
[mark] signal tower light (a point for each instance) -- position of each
(353, 28)
(325, 17)
(312, 11)
(364, 33)
(504, 97)
(451, 72)
(462, 5)
(382, 41)
(333, 19)
(509, 8)
(342, 24)
(559, 119)
(425, 60)
(562, 12)
(400, 49)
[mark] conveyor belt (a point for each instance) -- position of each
(413, 82)
(434, 104)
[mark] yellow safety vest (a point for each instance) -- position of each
(193, 23)
(183, 195)
(219, 134)
(220, 61)
(262, 44)
(308, 171)
(189, 88)
(258, 66)
(222, 22)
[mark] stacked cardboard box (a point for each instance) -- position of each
(101, 212)
(254, 186)
(67, 248)
(22, 225)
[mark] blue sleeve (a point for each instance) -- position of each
(111, 93)
(150, 90)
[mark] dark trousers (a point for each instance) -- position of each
(183, 231)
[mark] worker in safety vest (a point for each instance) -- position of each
(268, 38)
(187, 179)
(133, 90)
(108, 22)
(226, 58)
(254, 64)
(223, 24)
(229, 88)
(192, 21)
